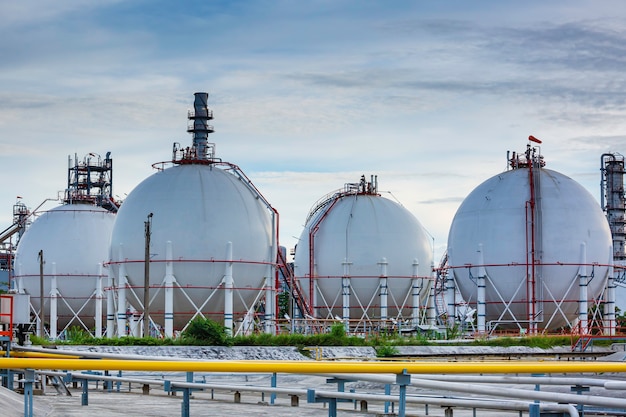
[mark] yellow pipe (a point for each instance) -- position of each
(16, 354)
(308, 367)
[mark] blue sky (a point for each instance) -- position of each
(307, 96)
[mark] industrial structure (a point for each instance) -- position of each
(613, 203)
(60, 258)
(195, 239)
(531, 249)
(9, 238)
(365, 260)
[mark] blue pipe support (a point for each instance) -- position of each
(402, 380)
(29, 380)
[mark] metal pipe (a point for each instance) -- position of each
(17, 354)
(345, 294)
(415, 294)
(228, 290)
(603, 177)
(530, 380)
(431, 312)
(98, 301)
(582, 290)
(110, 331)
(615, 385)
(40, 330)
(270, 298)
(121, 294)
(504, 379)
(32, 352)
(54, 297)
(481, 291)
(146, 276)
(521, 394)
(383, 290)
(317, 367)
(449, 294)
(169, 279)
(609, 305)
(441, 401)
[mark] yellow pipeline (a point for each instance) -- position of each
(307, 367)
(17, 354)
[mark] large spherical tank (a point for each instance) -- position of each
(75, 240)
(197, 210)
(570, 230)
(366, 231)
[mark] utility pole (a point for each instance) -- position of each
(146, 276)
(40, 331)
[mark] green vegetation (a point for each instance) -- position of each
(206, 332)
(385, 351)
(201, 331)
(543, 342)
(336, 337)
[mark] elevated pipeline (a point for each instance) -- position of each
(317, 367)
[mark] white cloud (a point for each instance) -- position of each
(307, 97)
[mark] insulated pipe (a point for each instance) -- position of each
(121, 294)
(431, 312)
(481, 292)
(271, 268)
(54, 299)
(228, 290)
(383, 290)
(270, 328)
(315, 290)
(454, 402)
(345, 294)
(609, 305)
(582, 286)
(17, 354)
(530, 380)
(134, 322)
(33, 352)
(168, 319)
(615, 385)
(318, 367)
(521, 393)
(441, 401)
(450, 294)
(110, 305)
(99, 296)
(415, 294)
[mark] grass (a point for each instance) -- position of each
(205, 332)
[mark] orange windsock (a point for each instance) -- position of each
(533, 139)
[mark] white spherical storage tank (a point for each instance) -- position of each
(74, 239)
(536, 243)
(198, 212)
(364, 259)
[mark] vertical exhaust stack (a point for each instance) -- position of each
(200, 126)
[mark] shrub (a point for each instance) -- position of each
(206, 332)
(385, 351)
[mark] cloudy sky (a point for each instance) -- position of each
(307, 96)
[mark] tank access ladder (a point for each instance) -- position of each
(293, 285)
